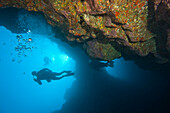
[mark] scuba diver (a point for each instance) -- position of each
(48, 75)
(110, 63)
(97, 65)
(47, 61)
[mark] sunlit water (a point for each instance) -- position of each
(127, 71)
(20, 54)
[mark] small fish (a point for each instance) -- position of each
(13, 59)
(30, 39)
(19, 36)
(28, 31)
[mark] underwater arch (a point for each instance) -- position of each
(22, 53)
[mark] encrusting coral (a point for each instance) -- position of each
(103, 27)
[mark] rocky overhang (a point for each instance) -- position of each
(108, 29)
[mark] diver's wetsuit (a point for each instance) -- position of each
(46, 74)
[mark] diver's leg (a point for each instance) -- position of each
(57, 78)
(65, 75)
(66, 72)
(61, 72)
(58, 74)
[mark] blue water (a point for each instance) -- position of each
(127, 71)
(18, 89)
(124, 88)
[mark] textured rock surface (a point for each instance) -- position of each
(108, 28)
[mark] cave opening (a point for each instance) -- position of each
(123, 88)
(27, 45)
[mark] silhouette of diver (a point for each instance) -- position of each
(97, 65)
(48, 75)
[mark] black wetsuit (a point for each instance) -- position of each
(48, 75)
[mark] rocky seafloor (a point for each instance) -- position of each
(108, 29)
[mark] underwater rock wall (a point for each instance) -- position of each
(106, 29)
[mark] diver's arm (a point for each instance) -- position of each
(38, 81)
(35, 80)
